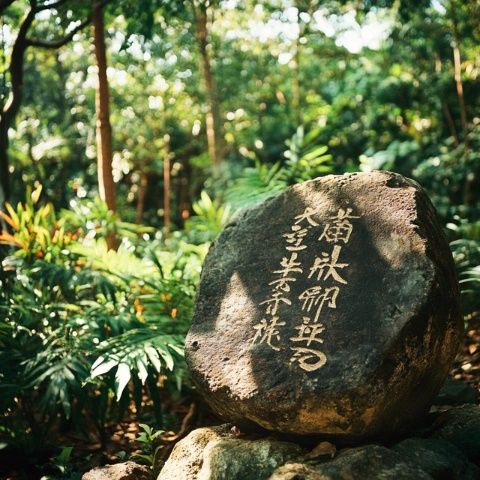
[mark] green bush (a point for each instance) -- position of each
(85, 331)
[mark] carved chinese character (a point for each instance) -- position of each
(328, 265)
(268, 332)
(317, 296)
(308, 333)
(282, 284)
(274, 301)
(295, 238)
(340, 228)
(307, 215)
(289, 265)
(308, 359)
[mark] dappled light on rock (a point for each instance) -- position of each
(340, 300)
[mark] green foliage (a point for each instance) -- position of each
(466, 253)
(305, 159)
(36, 231)
(62, 460)
(94, 216)
(209, 219)
(85, 331)
(452, 177)
(73, 333)
(149, 447)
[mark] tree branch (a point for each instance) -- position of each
(5, 4)
(48, 6)
(60, 42)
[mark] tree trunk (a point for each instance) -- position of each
(296, 85)
(11, 108)
(445, 108)
(450, 122)
(4, 172)
(167, 216)
(457, 67)
(213, 118)
(104, 129)
(183, 200)
(142, 193)
(457, 64)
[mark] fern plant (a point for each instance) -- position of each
(305, 159)
(466, 253)
(76, 327)
(210, 218)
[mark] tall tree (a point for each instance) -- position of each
(106, 185)
(102, 107)
(15, 70)
(213, 116)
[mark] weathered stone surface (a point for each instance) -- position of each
(461, 426)
(371, 462)
(456, 392)
(119, 471)
(297, 471)
(216, 454)
(362, 361)
(439, 458)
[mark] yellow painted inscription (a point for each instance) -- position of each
(328, 272)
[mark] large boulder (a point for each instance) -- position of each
(216, 453)
(330, 309)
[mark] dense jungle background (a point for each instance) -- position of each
(132, 131)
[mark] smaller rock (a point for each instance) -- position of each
(325, 450)
(217, 453)
(370, 462)
(439, 458)
(119, 471)
(296, 471)
(461, 426)
(455, 392)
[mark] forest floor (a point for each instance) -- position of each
(121, 438)
(467, 364)
(466, 369)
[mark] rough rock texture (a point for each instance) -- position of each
(438, 458)
(461, 426)
(217, 454)
(371, 462)
(456, 392)
(119, 471)
(331, 309)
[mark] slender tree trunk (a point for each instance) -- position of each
(450, 122)
(296, 85)
(104, 130)
(142, 193)
(167, 216)
(11, 107)
(457, 64)
(213, 120)
(4, 167)
(184, 202)
(457, 67)
(445, 107)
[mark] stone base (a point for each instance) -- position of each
(119, 471)
(449, 448)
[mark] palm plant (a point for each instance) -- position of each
(305, 159)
